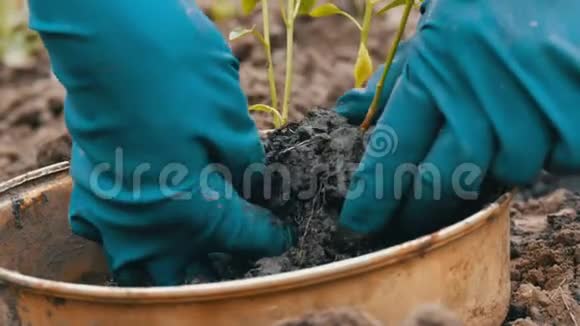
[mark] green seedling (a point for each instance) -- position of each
(388, 62)
(363, 67)
(294, 8)
(17, 43)
(247, 7)
(290, 10)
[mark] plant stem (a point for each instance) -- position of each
(289, 59)
(366, 24)
(271, 76)
(388, 62)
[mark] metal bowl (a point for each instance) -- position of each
(464, 267)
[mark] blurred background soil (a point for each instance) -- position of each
(545, 221)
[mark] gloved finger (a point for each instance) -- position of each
(446, 184)
(355, 103)
(238, 143)
(171, 269)
(168, 270)
(522, 138)
(565, 155)
(233, 138)
(132, 275)
(411, 122)
(233, 225)
(200, 270)
(522, 131)
(83, 228)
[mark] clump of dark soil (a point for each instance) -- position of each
(545, 267)
(311, 164)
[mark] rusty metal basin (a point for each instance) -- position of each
(464, 267)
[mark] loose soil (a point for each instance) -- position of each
(545, 268)
(30, 115)
(317, 156)
(545, 229)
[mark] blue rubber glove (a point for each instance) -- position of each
(153, 100)
(486, 91)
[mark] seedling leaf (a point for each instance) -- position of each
(277, 118)
(248, 6)
(363, 67)
(327, 9)
(306, 6)
(391, 5)
(240, 32)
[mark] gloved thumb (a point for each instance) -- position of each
(355, 103)
(253, 232)
(238, 227)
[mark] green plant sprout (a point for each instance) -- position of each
(289, 13)
(363, 67)
(293, 9)
(17, 43)
(388, 62)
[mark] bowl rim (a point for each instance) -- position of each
(244, 287)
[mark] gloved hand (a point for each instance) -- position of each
(486, 91)
(154, 106)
